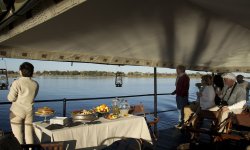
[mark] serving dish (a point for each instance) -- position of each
(83, 115)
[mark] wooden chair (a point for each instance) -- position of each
(44, 146)
(213, 125)
(242, 121)
(139, 110)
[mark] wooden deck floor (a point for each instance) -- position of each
(171, 138)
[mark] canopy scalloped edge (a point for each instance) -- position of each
(98, 59)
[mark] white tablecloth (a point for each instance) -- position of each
(93, 135)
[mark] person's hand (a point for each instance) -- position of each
(198, 85)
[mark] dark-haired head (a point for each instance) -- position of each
(181, 68)
(27, 69)
(240, 78)
(207, 79)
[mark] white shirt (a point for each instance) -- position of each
(22, 93)
(207, 97)
(237, 100)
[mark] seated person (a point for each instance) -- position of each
(233, 96)
(218, 85)
(205, 98)
(244, 84)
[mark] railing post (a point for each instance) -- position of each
(64, 107)
(155, 99)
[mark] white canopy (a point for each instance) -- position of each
(206, 35)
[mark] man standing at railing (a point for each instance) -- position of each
(181, 91)
(22, 94)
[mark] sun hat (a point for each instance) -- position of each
(229, 76)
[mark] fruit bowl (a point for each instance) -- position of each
(102, 110)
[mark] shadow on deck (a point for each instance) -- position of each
(171, 138)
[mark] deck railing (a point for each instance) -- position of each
(65, 100)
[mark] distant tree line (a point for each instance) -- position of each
(99, 73)
(74, 73)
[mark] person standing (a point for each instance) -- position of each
(181, 91)
(22, 93)
(244, 84)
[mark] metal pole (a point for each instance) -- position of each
(64, 107)
(155, 98)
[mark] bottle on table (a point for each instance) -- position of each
(124, 108)
(115, 107)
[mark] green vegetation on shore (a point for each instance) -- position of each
(100, 74)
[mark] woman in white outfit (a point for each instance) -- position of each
(207, 95)
(205, 98)
(22, 94)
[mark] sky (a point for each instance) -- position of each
(13, 64)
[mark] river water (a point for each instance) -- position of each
(67, 87)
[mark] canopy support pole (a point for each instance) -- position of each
(155, 99)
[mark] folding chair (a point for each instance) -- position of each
(241, 121)
(212, 127)
(221, 131)
(139, 110)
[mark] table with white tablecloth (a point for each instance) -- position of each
(93, 135)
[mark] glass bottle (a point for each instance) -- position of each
(115, 108)
(127, 106)
(124, 108)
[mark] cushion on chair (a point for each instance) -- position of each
(137, 109)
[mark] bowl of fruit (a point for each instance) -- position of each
(102, 110)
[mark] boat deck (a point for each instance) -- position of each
(176, 139)
(170, 139)
(173, 138)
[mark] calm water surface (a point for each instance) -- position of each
(63, 87)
